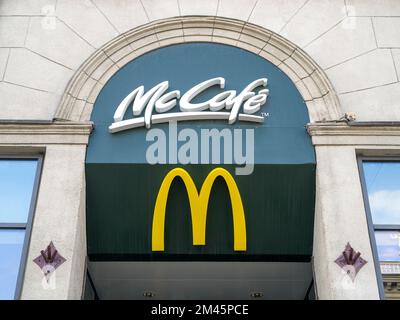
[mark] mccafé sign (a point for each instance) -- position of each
(190, 169)
(159, 100)
(198, 206)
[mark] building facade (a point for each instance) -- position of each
(318, 217)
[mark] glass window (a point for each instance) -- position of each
(382, 184)
(17, 182)
(388, 245)
(382, 180)
(11, 243)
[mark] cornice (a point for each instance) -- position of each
(42, 128)
(353, 129)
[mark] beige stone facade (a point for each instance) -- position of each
(342, 55)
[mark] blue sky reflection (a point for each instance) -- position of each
(16, 184)
(11, 243)
(383, 185)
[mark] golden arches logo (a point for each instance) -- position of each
(198, 207)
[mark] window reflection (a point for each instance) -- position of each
(11, 243)
(17, 181)
(388, 244)
(382, 182)
(16, 184)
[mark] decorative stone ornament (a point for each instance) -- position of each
(350, 261)
(49, 259)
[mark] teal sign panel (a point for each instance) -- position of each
(278, 196)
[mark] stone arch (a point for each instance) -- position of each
(311, 81)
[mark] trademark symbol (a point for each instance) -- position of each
(265, 114)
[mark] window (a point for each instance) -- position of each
(18, 188)
(382, 188)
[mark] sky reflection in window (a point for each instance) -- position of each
(383, 186)
(17, 177)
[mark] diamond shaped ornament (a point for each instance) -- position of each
(49, 260)
(350, 261)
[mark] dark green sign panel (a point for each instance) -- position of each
(278, 197)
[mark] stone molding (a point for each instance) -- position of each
(82, 90)
(343, 133)
(45, 133)
(345, 129)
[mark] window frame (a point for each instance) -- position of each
(371, 226)
(39, 157)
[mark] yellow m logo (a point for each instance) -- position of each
(198, 206)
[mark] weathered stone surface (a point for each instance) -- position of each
(77, 14)
(343, 43)
(13, 31)
(161, 9)
(340, 207)
(4, 52)
(204, 7)
(376, 104)
(387, 31)
(369, 8)
(273, 15)
(366, 71)
(27, 7)
(123, 14)
(306, 25)
(29, 69)
(236, 9)
(20, 103)
(54, 40)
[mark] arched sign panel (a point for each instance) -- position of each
(200, 153)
